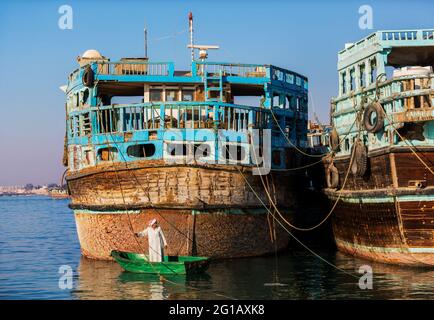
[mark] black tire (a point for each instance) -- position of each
(88, 77)
(334, 140)
(360, 159)
(332, 176)
(377, 109)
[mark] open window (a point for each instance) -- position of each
(145, 150)
(107, 154)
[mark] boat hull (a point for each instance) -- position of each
(202, 211)
(381, 218)
(139, 263)
(217, 234)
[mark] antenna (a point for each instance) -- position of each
(190, 23)
(146, 41)
(203, 53)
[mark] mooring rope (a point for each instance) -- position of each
(330, 212)
(289, 232)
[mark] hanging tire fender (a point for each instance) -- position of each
(334, 140)
(332, 176)
(378, 123)
(88, 77)
(359, 166)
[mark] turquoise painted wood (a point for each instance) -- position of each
(94, 126)
(365, 73)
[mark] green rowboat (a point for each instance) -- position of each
(139, 263)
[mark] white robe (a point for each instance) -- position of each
(156, 241)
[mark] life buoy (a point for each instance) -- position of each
(88, 77)
(332, 176)
(359, 165)
(373, 117)
(334, 140)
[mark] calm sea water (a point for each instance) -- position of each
(37, 236)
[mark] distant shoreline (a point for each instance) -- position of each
(23, 194)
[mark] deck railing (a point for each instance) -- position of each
(230, 69)
(135, 68)
(180, 115)
(403, 96)
(390, 37)
(191, 115)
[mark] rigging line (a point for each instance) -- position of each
(173, 35)
(327, 216)
(304, 153)
(157, 272)
(299, 168)
(147, 192)
(289, 232)
(409, 143)
(293, 144)
(125, 205)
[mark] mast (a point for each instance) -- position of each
(190, 22)
(146, 41)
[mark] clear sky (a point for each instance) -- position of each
(36, 55)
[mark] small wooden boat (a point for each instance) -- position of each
(139, 263)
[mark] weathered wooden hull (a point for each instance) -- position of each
(217, 234)
(206, 211)
(380, 217)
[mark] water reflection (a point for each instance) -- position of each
(292, 275)
(32, 250)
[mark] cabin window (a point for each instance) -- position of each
(347, 144)
(187, 95)
(177, 149)
(156, 95)
(171, 95)
(234, 152)
(197, 150)
(276, 100)
(88, 157)
(202, 150)
(145, 150)
(344, 82)
(290, 78)
(362, 79)
(288, 101)
(107, 154)
(85, 96)
(352, 80)
(373, 74)
(298, 81)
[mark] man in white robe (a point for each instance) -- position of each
(156, 240)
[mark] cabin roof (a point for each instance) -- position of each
(130, 74)
(401, 47)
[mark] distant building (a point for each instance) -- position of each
(318, 137)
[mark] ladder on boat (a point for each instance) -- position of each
(213, 83)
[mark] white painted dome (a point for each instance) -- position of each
(92, 54)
